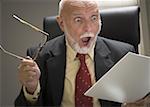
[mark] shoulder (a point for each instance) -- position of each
(114, 45)
(54, 44)
(52, 48)
(116, 49)
(50, 45)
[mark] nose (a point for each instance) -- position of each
(87, 27)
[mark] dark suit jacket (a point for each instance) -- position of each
(52, 63)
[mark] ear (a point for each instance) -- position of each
(60, 22)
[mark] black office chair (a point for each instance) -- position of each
(120, 24)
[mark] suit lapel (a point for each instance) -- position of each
(103, 61)
(56, 73)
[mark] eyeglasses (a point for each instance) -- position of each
(40, 46)
(11, 54)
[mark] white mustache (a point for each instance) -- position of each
(87, 34)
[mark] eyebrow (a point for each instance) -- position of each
(76, 13)
(80, 14)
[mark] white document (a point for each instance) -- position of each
(127, 81)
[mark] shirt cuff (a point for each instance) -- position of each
(32, 97)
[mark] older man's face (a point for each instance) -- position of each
(81, 22)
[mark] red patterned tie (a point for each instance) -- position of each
(83, 83)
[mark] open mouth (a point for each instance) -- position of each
(86, 40)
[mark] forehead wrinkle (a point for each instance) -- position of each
(83, 3)
(78, 13)
(71, 4)
(80, 4)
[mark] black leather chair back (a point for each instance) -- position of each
(120, 24)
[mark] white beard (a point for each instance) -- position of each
(75, 45)
(84, 50)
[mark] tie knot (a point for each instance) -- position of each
(81, 57)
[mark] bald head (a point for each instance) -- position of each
(65, 5)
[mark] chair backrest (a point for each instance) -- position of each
(120, 24)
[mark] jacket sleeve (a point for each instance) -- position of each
(21, 100)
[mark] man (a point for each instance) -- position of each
(68, 65)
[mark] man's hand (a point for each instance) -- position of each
(29, 74)
(144, 102)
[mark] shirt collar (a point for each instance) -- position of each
(72, 54)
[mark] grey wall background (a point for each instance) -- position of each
(16, 38)
(148, 12)
(145, 28)
(0, 53)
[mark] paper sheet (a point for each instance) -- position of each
(127, 81)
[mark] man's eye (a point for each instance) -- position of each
(77, 19)
(94, 18)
